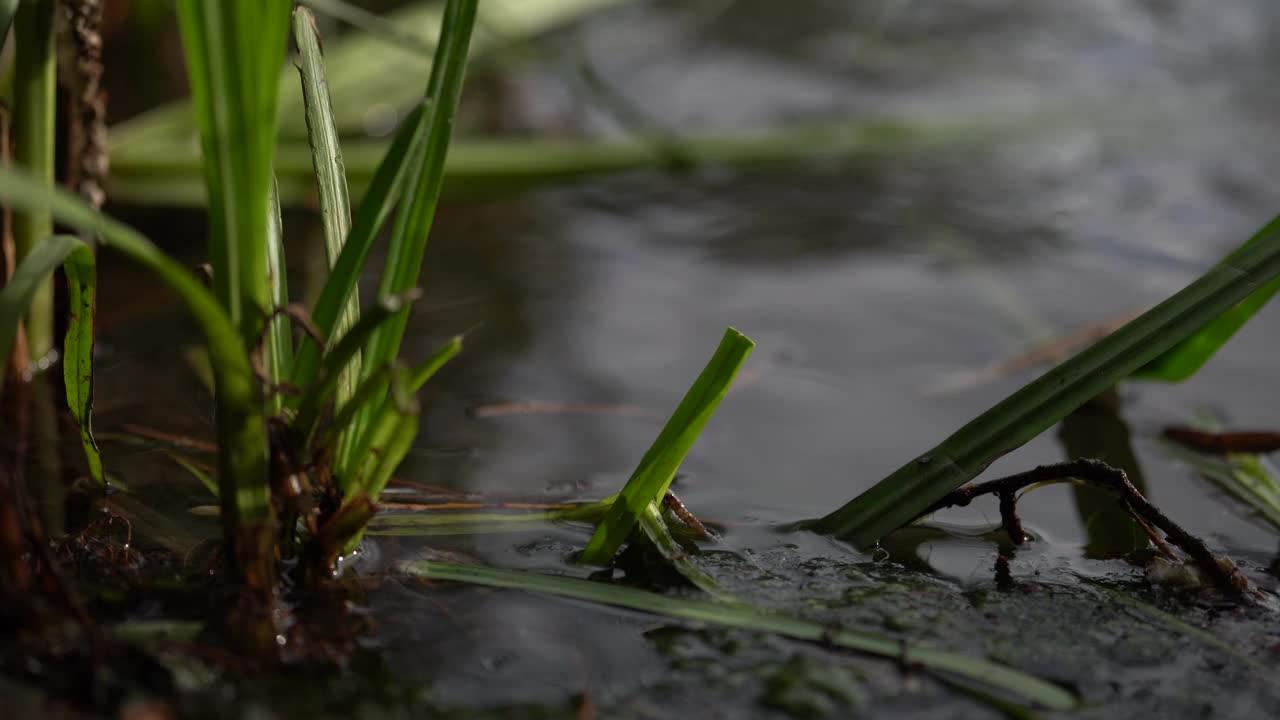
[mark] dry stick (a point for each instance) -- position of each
(1246, 442)
(1099, 474)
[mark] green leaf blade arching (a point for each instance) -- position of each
(653, 475)
(331, 176)
(77, 356)
(31, 274)
(989, 674)
(913, 488)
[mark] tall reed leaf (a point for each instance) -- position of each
(242, 431)
(697, 611)
(652, 477)
(897, 499)
(331, 176)
(234, 49)
(408, 242)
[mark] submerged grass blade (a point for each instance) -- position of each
(655, 529)
(30, 276)
(77, 351)
(331, 176)
(652, 477)
(1029, 688)
(242, 431)
(913, 488)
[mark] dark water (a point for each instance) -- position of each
(866, 287)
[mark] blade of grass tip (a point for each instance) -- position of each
(77, 355)
(205, 478)
(316, 396)
(383, 193)
(34, 137)
(652, 477)
(408, 241)
(1007, 679)
(30, 275)
(913, 488)
(242, 431)
(331, 176)
(278, 353)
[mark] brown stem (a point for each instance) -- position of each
(1099, 474)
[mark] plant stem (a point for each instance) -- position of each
(35, 63)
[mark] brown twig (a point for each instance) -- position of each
(1255, 441)
(1220, 571)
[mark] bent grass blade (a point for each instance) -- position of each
(652, 477)
(1029, 688)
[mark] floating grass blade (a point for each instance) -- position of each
(331, 176)
(1188, 356)
(897, 499)
(34, 120)
(652, 477)
(440, 522)
(1029, 688)
(1250, 479)
(242, 431)
(77, 351)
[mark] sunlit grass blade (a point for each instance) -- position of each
(652, 477)
(1027, 687)
(1188, 356)
(31, 274)
(897, 499)
(408, 241)
(242, 432)
(373, 462)
(331, 177)
(317, 395)
(383, 193)
(278, 351)
(77, 351)
(234, 50)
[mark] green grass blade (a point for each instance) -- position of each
(655, 529)
(317, 395)
(386, 443)
(902, 496)
(1191, 354)
(432, 523)
(427, 369)
(1025, 686)
(372, 24)
(29, 277)
(77, 352)
(34, 138)
(331, 176)
(242, 430)
(195, 471)
(278, 352)
(1247, 478)
(653, 475)
(234, 49)
(383, 193)
(409, 238)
